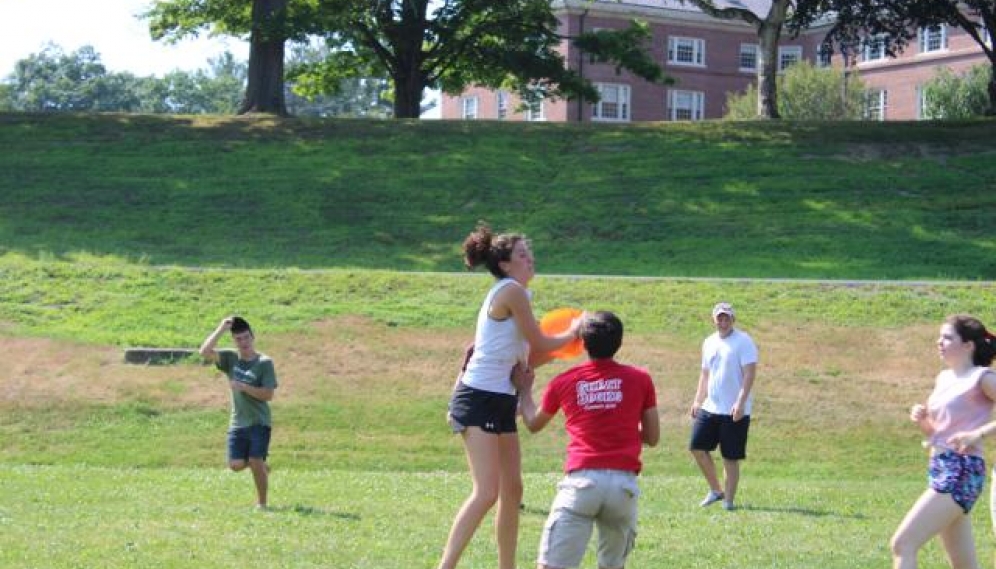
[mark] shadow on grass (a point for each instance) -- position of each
(796, 510)
(302, 510)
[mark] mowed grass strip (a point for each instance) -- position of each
(779, 199)
(82, 516)
(116, 303)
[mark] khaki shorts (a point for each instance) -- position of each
(606, 498)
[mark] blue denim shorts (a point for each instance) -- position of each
(248, 442)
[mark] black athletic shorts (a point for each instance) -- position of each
(491, 412)
(711, 430)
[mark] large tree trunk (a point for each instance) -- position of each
(407, 98)
(265, 86)
(768, 33)
(991, 111)
(767, 71)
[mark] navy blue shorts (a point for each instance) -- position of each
(248, 442)
(489, 411)
(711, 430)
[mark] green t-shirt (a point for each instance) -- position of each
(246, 409)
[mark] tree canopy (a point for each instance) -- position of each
(449, 44)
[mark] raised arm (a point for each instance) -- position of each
(516, 303)
(207, 350)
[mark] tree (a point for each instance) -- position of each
(416, 43)
(950, 96)
(455, 43)
(350, 97)
(769, 31)
(53, 81)
(56, 81)
(901, 20)
(268, 23)
(806, 92)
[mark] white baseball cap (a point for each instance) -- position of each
(723, 308)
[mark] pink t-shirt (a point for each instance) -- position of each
(603, 403)
(957, 405)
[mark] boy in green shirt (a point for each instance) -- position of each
(252, 380)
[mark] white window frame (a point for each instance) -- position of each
(469, 108)
(748, 53)
(792, 51)
(534, 111)
(876, 104)
(614, 105)
(873, 48)
(501, 103)
(695, 107)
(921, 103)
(934, 34)
(694, 46)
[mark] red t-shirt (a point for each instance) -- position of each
(603, 402)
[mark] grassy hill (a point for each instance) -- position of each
(821, 200)
(114, 465)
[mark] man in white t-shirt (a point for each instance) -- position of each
(722, 406)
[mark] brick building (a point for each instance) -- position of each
(710, 58)
(895, 84)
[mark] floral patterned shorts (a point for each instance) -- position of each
(961, 475)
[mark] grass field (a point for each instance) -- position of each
(118, 232)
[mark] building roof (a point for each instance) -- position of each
(759, 7)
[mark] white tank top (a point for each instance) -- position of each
(498, 346)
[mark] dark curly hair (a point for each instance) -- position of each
(483, 247)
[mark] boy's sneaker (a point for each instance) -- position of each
(711, 498)
(728, 506)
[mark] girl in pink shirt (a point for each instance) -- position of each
(955, 420)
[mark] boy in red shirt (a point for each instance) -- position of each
(610, 411)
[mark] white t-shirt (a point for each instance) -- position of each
(725, 358)
(498, 346)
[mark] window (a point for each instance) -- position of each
(933, 38)
(686, 51)
(824, 56)
(789, 55)
(469, 108)
(874, 48)
(748, 57)
(614, 104)
(502, 103)
(535, 111)
(876, 103)
(922, 104)
(686, 105)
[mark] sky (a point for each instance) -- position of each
(110, 26)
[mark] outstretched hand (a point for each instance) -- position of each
(523, 377)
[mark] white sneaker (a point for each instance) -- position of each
(728, 506)
(711, 498)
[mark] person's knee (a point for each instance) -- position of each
(237, 465)
(485, 496)
(901, 546)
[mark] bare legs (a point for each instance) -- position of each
(731, 473)
(496, 471)
(934, 514)
(260, 476)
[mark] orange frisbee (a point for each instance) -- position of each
(558, 321)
